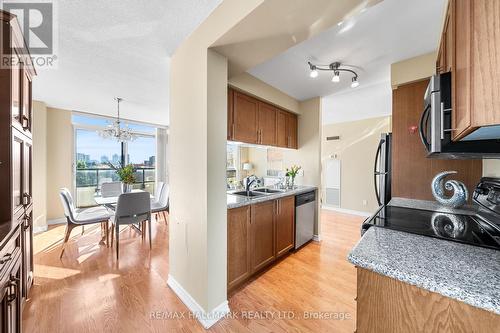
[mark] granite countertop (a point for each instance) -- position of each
(463, 272)
(235, 201)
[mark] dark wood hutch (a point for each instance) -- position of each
(16, 151)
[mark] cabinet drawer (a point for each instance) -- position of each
(9, 251)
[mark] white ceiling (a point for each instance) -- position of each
(370, 41)
(118, 48)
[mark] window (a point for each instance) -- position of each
(232, 162)
(94, 155)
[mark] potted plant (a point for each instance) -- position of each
(292, 173)
(126, 175)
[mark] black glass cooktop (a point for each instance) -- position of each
(460, 228)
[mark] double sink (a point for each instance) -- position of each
(259, 192)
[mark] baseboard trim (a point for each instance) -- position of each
(43, 228)
(61, 220)
(347, 211)
(207, 319)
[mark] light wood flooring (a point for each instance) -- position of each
(87, 291)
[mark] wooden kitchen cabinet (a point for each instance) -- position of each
(257, 235)
(16, 156)
(470, 50)
(245, 118)
(267, 124)
(287, 130)
(412, 171)
(230, 106)
(262, 240)
(285, 225)
(253, 121)
(385, 305)
(238, 245)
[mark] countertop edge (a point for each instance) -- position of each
(273, 196)
(480, 301)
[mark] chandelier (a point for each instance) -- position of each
(336, 69)
(115, 131)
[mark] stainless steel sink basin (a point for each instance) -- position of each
(250, 194)
(268, 190)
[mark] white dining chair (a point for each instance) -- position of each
(111, 189)
(132, 208)
(158, 189)
(81, 217)
(162, 205)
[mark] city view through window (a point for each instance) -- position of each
(94, 155)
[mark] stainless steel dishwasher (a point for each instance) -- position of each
(305, 216)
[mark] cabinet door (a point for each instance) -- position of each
(281, 129)
(10, 303)
(267, 124)
(4, 306)
(230, 105)
(262, 234)
(15, 97)
(245, 119)
(486, 63)
(238, 245)
(27, 167)
(17, 171)
(26, 105)
(292, 131)
(285, 225)
(461, 72)
(27, 246)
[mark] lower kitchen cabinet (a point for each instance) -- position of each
(238, 245)
(262, 243)
(384, 305)
(11, 285)
(257, 235)
(285, 225)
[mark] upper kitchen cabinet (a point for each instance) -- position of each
(267, 124)
(470, 50)
(253, 121)
(245, 118)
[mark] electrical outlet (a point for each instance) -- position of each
(301, 172)
(365, 203)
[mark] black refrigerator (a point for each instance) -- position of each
(382, 169)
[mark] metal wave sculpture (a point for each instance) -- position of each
(439, 185)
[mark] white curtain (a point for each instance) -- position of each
(162, 155)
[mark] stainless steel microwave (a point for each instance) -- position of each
(436, 127)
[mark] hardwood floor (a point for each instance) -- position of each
(87, 291)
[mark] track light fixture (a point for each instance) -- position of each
(335, 67)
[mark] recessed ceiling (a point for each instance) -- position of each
(370, 42)
(118, 48)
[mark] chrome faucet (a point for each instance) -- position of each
(249, 181)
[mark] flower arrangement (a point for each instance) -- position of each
(125, 173)
(292, 173)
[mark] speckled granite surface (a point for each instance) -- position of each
(235, 201)
(463, 272)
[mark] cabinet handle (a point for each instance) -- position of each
(27, 223)
(24, 120)
(12, 283)
(6, 258)
(26, 199)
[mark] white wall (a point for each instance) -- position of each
(356, 104)
(40, 166)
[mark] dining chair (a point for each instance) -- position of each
(131, 208)
(111, 189)
(162, 205)
(158, 189)
(81, 217)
